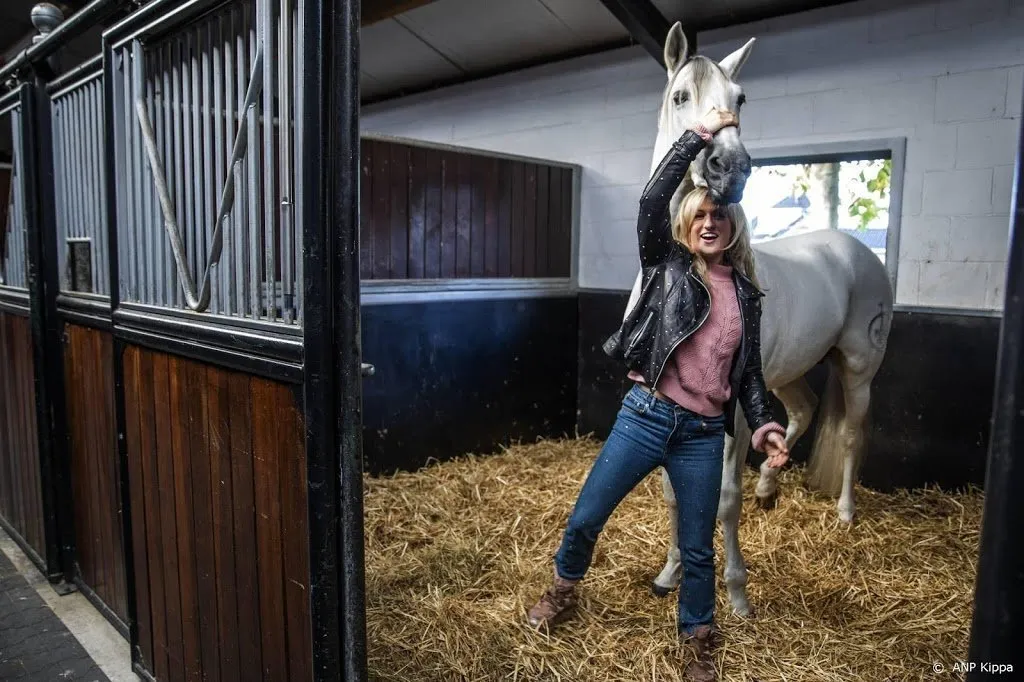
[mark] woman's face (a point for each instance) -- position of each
(710, 232)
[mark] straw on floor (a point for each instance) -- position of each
(456, 553)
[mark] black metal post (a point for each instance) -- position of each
(343, 140)
(329, 210)
(997, 630)
(47, 342)
(80, 22)
(109, 183)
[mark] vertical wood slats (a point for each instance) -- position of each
(431, 213)
(21, 501)
(95, 475)
(217, 462)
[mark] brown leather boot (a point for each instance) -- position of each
(698, 650)
(555, 605)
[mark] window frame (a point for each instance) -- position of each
(894, 148)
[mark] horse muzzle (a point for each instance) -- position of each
(727, 188)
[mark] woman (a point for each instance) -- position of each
(692, 345)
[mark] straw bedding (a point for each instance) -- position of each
(457, 552)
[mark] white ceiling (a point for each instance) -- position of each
(448, 41)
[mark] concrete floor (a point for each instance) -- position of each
(107, 648)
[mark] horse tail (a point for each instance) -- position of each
(825, 465)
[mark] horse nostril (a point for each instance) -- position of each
(716, 163)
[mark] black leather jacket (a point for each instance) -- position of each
(674, 302)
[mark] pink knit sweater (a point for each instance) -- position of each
(696, 377)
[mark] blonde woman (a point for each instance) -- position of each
(691, 345)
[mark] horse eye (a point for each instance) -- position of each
(679, 96)
(741, 100)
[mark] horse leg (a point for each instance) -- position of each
(729, 507)
(856, 381)
(800, 403)
(670, 575)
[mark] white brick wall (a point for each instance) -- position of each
(946, 74)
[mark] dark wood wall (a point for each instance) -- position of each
(21, 500)
(217, 473)
(95, 477)
(430, 213)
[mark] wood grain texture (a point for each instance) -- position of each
(224, 540)
(444, 213)
(95, 474)
(21, 500)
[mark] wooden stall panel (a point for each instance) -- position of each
(21, 500)
(95, 476)
(217, 469)
(436, 213)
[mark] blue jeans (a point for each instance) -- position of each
(649, 432)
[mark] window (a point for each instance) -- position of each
(852, 187)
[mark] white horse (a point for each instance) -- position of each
(827, 297)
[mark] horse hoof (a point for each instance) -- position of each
(659, 591)
(744, 611)
(846, 517)
(768, 501)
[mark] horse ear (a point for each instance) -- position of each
(732, 64)
(676, 48)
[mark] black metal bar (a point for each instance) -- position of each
(155, 19)
(236, 339)
(13, 300)
(329, 211)
(8, 307)
(47, 346)
(127, 537)
(77, 24)
(101, 606)
(139, 670)
(89, 312)
(84, 71)
(21, 542)
(645, 23)
(997, 629)
(109, 184)
(319, 405)
(270, 368)
(342, 131)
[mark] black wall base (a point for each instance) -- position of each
(454, 377)
(931, 399)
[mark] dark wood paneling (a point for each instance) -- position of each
(95, 479)
(431, 213)
(217, 461)
(21, 501)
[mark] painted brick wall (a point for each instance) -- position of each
(946, 74)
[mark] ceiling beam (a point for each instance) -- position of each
(372, 11)
(646, 24)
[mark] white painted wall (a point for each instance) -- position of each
(946, 74)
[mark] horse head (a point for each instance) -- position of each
(695, 85)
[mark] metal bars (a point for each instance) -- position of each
(206, 169)
(13, 260)
(77, 118)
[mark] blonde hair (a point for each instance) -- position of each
(738, 254)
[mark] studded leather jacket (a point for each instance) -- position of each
(674, 302)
